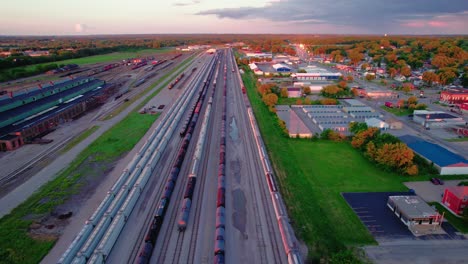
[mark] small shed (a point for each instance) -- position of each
(375, 122)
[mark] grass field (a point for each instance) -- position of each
(461, 224)
(397, 111)
(312, 175)
(16, 245)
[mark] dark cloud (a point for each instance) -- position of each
(375, 15)
(194, 2)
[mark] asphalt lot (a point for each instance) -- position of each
(372, 210)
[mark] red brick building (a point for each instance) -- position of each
(454, 96)
(456, 198)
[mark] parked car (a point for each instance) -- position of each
(437, 181)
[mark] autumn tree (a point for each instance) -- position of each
(430, 77)
(441, 61)
(392, 72)
(331, 90)
(395, 155)
(298, 102)
(363, 137)
(306, 90)
(328, 101)
(405, 71)
(270, 99)
(447, 75)
(307, 101)
(349, 78)
(407, 87)
(370, 77)
(342, 84)
(412, 100)
(284, 92)
(355, 57)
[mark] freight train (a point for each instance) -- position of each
(174, 83)
(150, 239)
(220, 235)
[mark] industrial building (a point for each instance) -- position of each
(376, 122)
(338, 117)
(454, 96)
(294, 124)
(33, 113)
(436, 119)
(279, 67)
(414, 212)
(447, 162)
(456, 199)
(314, 74)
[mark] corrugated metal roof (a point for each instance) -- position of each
(437, 154)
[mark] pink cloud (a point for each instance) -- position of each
(435, 23)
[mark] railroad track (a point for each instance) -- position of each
(29, 166)
(260, 190)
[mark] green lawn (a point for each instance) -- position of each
(397, 111)
(312, 176)
(461, 224)
(288, 101)
(16, 245)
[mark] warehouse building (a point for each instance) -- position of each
(338, 117)
(446, 162)
(314, 74)
(31, 115)
(294, 124)
(279, 67)
(414, 212)
(436, 119)
(456, 199)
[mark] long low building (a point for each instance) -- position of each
(436, 119)
(41, 116)
(447, 162)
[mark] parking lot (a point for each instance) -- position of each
(372, 210)
(430, 192)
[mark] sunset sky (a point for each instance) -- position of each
(66, 17)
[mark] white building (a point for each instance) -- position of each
(375, 122)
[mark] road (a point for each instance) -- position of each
(252, 233)
(447, 252)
